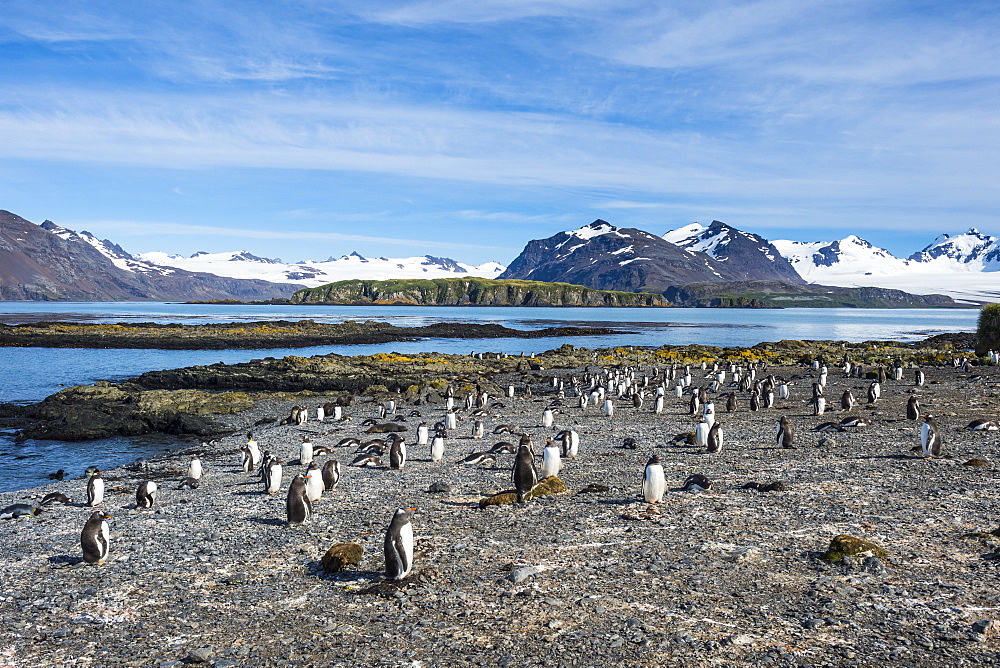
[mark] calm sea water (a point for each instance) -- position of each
(31, 374)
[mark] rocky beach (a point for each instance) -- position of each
(727, 576)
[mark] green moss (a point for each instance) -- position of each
(342, 555)
(550, 485)
(851, 546)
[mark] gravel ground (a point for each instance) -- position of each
(725, 577)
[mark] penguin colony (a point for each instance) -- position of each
(598, 393)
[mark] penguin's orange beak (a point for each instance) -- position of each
(410, 510)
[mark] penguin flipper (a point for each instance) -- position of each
(400, 550)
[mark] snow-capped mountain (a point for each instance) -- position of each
(313, 273)
(606, 257)
(750, 254)
(49, 262)
(963, 266)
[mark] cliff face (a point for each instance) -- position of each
(472, 291)
(774, 294)
(51, 263)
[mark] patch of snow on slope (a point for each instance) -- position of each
(314, 273)
(684, 233)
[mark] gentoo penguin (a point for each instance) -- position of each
(918, 377)
(654, 482)
(95, 489)
(195, 469)
(297, 506)
(331, 474)
(853, 421)
(306, 452)
(550, 459)
(912, 407)
(982, 425)
(54, 497)
(630, 443)
(20, 510)
(437, 447)
(478, 458)
(451, 420)
(570, 442)
(785, 438)
(478, 429)
(847, 400)
(397, 454)
(754, 402)
(349, 441)
(696, 482)
(608, 408)
(314, 483)
(189, 483)
(714, 440)
(548, 417)
(399, 545)
(701, 433)
(246, 460)
(58, 475)
(95, 539)
(658, 405)
(145, 494)
(731, 402)
(708, 412)
(819, 404)
(930, 437)
(366, 460)
(874, 391)
(254, 452)
(523, 472)
(272, 476)
(694, 404)
(783, 392)
(503, 448)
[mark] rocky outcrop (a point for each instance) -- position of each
(746, 253)
(471, 292)
(269, 334)
(102, 410)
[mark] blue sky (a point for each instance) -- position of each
(303, 129)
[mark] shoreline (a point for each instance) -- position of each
(724, 577)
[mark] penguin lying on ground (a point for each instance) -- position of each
(20, 510)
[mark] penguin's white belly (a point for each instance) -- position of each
(314, 487)
(550, 462)
(654, 484)
(105, 541)
(437, 450)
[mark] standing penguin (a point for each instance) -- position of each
(331, 474)
(548, 417)
(399, 545)
(658, 404)
(731, 402)
(95, 489)
(523, 473)
(306, 452)
(609, 408)
(785, 437)
(423, 434)
(930, 438)
(912, 407)
(714, 440)
(437, 447)
(246, 460)
(550, 459)
(654, 482)
(297, 506)
(195, 470)
(145, 494)
(397, 454)
(701, 433)
(96, 538)
(570, 442)
(314, 483)
(451, 420)
(874, 391)
(819, 404)
(918, 377)
(272, 476)
(847, 400)
(478, 429)
(255, 453)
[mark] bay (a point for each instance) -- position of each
(31, 374)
